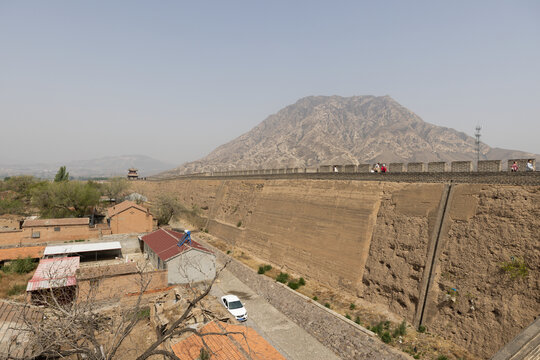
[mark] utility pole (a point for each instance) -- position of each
(477, 135)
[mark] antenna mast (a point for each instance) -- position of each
(477, 135)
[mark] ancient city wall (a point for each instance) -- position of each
(388, 242)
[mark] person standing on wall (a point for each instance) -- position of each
(515, 167)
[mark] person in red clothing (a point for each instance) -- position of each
(384, 168)
(514, 167)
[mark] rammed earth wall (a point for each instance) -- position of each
(375, 239)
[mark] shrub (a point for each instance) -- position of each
(377, 329)
(282, 277)
(239, 223)
(293, 285)
(206, 230)
(357, 320)
(442, 357)
(228, 252)
(267, 267)
(16, 289)
(385, 337)
(21, 266)
(143, 313)
(352, 306)
(400, 330)
(327, 305)
(515, 268)
(315, 298)
(416, 356)
(261, 270)
(301, 281)
(421, 329)
(348, 316)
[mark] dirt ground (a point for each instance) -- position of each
(9, 282)
(421, 345)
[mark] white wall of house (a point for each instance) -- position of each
(191, 266)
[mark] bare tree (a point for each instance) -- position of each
(115, 188)
(82, 328)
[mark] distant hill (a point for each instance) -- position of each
(342, 130)
(102, 167)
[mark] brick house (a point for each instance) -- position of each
(188, 263)
(129, 217)
(43, 230)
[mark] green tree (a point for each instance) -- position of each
(61, 175)
(19, 190)
(66, 199)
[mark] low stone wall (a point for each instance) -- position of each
(438, 166)
(342, 336)
(461, 166)
(415, 167)
(395, 167)
(489, 165)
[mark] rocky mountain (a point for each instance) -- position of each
(93, 168)
(342, 130)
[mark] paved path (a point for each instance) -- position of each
(289, 339)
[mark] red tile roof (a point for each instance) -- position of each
(56, 222)
(227, 347)
(165, 243)
(123, 206)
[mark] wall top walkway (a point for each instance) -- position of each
(508, 178)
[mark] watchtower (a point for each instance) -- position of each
(132, 174)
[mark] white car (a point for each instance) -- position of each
(235, 307)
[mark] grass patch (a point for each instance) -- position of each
(422, 329)
(442, 357)
(315, 298)
(327, 305)
(143, 313)
(16, 289)
(282, 277)
(352, 306)
(515, 268)
(400, 330)
(239, 223)
(357, 320)
(347, 316)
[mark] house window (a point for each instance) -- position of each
(35, 235)
(57, 228)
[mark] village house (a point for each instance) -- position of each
(129, 217)
(186, 262)
(43, 230)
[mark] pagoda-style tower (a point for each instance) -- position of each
(132, 174)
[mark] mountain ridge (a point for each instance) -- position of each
(319, 130)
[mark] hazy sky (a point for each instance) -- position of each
(175, 79)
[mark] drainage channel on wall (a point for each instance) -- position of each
(433, 253)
